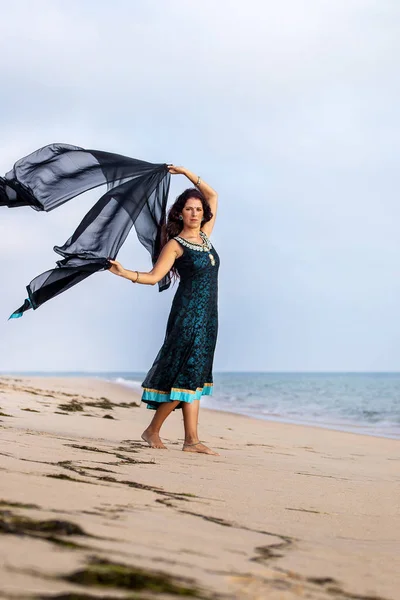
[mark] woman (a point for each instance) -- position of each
(182, 370)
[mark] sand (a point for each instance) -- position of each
(285, 511)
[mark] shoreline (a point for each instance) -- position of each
(326, 426)
(349, 427)
(207, 410)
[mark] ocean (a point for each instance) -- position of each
(366, 403)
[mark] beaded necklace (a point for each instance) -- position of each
(206, 246)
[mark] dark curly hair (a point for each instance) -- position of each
(175, 225)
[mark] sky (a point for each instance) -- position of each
(289, 110)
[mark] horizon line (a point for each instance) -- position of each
(285, 372)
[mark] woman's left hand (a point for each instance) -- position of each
(116, 268)
(176, 170)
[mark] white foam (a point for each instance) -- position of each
(136, 385)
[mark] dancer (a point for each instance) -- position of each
(182, 371)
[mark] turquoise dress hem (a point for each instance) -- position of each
(155, 397)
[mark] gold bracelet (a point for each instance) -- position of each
(137, 277)
(198, 181)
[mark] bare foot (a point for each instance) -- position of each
(198, 447)
(153, 440)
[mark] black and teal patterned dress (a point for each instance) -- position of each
(182, 369)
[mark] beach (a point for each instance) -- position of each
(285, 511)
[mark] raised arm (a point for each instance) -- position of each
(165, 261)
(209, 194)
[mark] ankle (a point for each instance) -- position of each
(152, 431)
(191, 439)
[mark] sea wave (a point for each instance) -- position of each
(363, 403)
(131, 383)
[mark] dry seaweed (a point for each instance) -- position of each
(104, 573)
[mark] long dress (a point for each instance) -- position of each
(182, 369)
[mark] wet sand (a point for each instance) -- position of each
(286, 511)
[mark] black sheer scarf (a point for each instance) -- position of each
(137, 193)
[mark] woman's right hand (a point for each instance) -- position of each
(174, 170)
(116, 268)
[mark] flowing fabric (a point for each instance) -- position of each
(137, 193)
